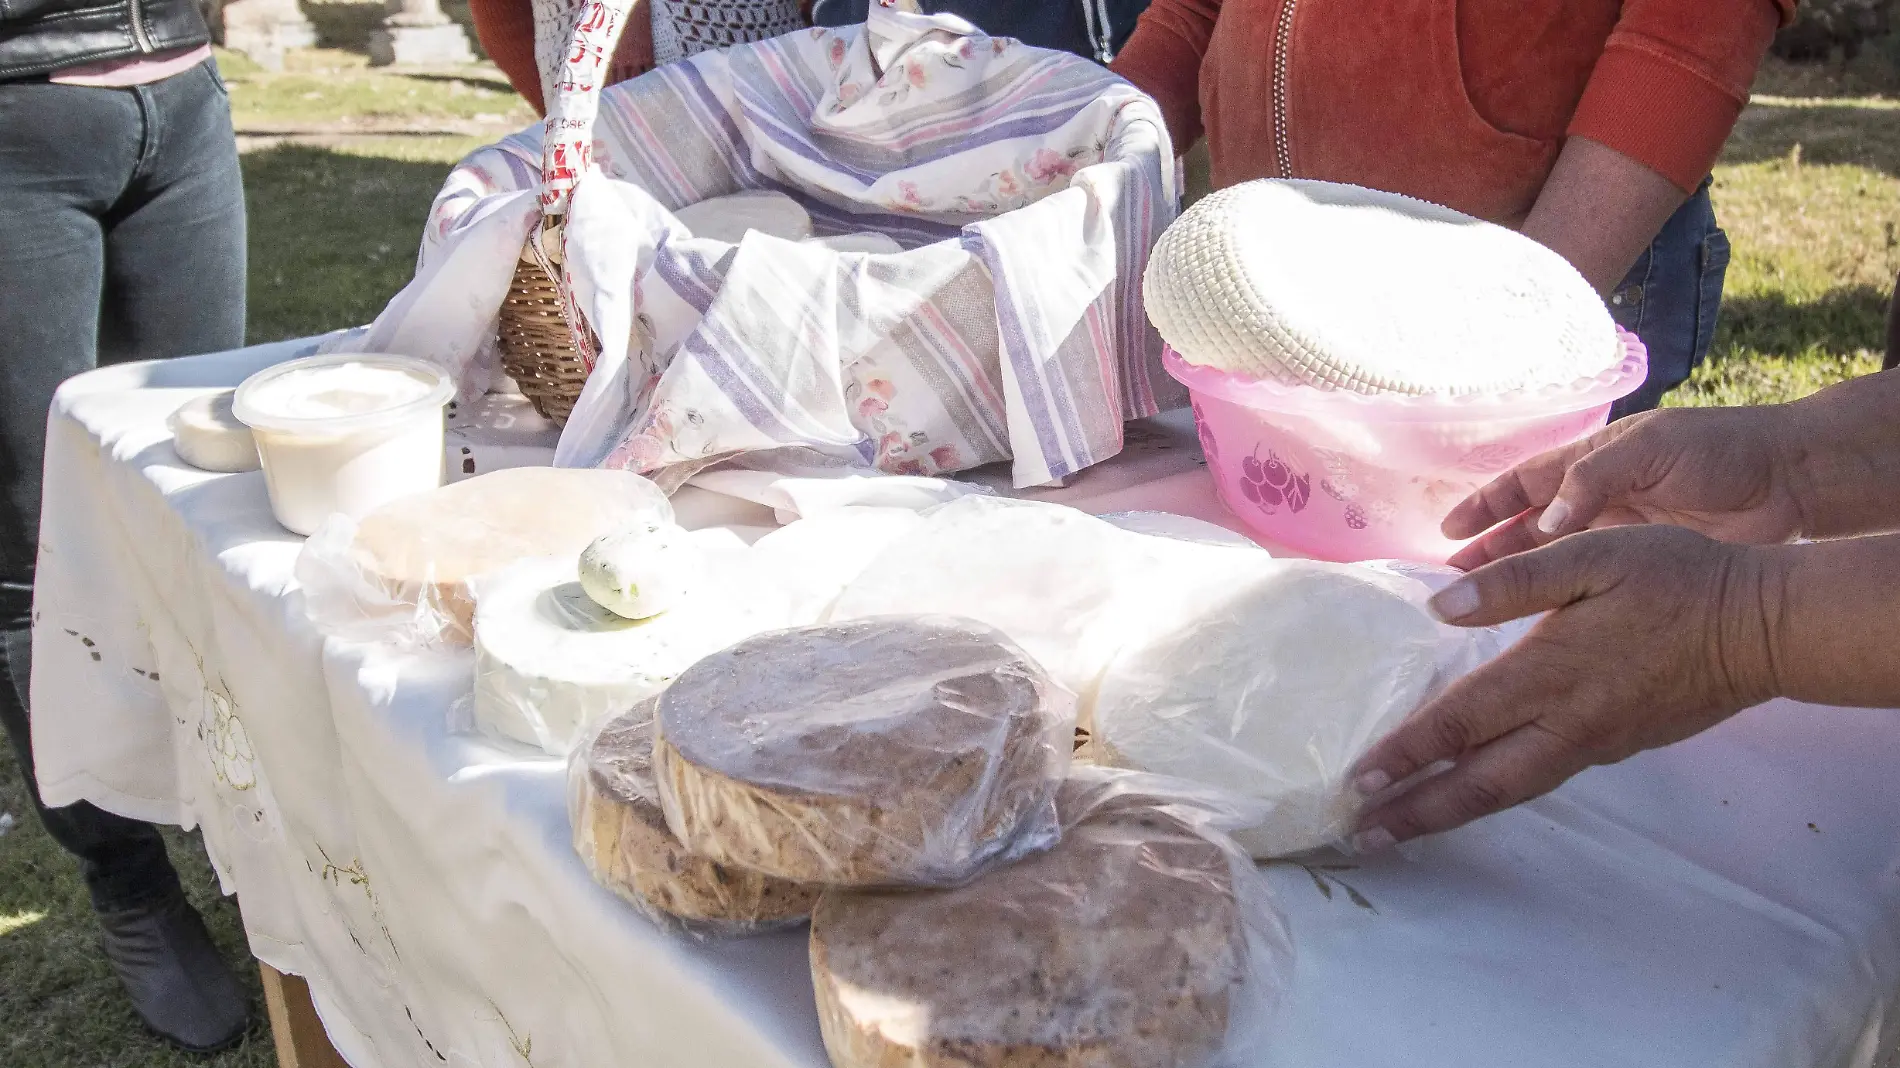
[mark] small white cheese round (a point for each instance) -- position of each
(207, 436)
(549, 661)
(641, 571)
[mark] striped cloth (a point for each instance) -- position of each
(1025, 186)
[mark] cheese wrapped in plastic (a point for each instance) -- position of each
(621, 835)
(815, 558)
(550, 660)
(1069, 587)
(403, 573)
(908, 751)
(1144, 939)
(1271, 681)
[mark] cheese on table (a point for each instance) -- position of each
(1271, 683)
(818, 556)
(620, 833)
(895, 751)
(549, 661)
(642, 570)
(1339, 287)
(728, 218)
(1142, 940)
(423, 550)
(207, 436)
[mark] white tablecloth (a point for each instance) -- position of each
(1733, 901)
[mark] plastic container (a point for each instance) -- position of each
(1349, 476)
(345, 433)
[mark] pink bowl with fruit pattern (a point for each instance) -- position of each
(1354, 476)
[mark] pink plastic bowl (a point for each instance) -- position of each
(1351, 476)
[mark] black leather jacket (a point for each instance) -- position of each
(38, 37)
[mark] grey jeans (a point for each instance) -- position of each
(121, 238)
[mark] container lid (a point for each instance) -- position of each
(341, 393)
(1344, 288)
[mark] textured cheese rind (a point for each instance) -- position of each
(1141, 940)
(892, 751)
(425, 549)
(728, 218)
(1335, 286)
(621, 835)
(549, 661)
(1272, 686)
(207, 436)
(641, 571)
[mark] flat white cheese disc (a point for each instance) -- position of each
(868, 242)
(207, 436)
(1045, 575)
(1335, 286)
(1272, 686)
(728, 218)
(817, 557)
(549, 661)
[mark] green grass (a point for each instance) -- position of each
(1809, 191)
(60, 1004)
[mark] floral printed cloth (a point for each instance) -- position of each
(1025, 187)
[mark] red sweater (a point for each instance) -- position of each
(1463, 102)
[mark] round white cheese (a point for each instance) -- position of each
(207, 436)
(1281, 677)
(549, 661)
(641, 571)
(1339, 287)
(817, 557)
(728, 218)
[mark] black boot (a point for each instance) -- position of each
(178, 982)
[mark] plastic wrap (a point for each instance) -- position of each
(817, 557)
(1271, 682)
(621, 835)
(1047, 576)
(403, 573)
(1145, 939)
(912, 751)
(1069, 587)
(549, 660)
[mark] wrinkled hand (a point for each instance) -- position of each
(1729, 473)
(1654, 634)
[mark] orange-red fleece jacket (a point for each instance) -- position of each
(1462, 102)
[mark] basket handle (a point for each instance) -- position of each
(573, 86)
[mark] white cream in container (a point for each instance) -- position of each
(345, 433)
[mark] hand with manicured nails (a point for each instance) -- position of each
(1730, 473)
(1653, 634)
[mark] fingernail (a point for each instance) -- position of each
(1373, 841)
(1371, 782)
(1553, 518)
(1454, 602)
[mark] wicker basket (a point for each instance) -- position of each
(536, 349)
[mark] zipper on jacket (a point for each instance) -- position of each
(139, 36)
(1282, 45)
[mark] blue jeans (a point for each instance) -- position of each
(1672, 298)
(121, 238)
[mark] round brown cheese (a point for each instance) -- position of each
(888, 751)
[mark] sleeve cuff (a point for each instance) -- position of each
(1167, 67)
(1657, 110)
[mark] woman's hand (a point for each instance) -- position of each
(1734, 474)
(1653, 634)
(633, 55)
